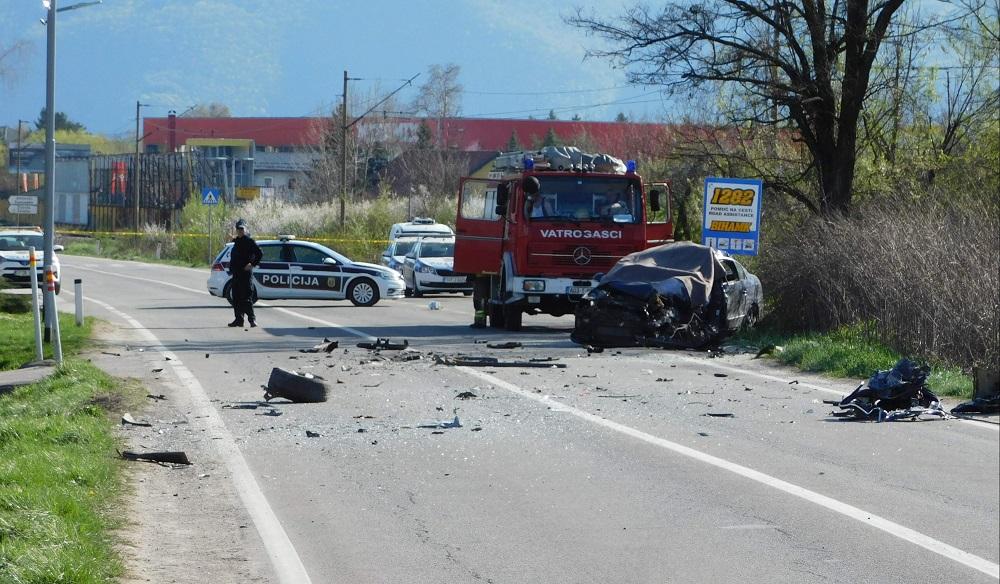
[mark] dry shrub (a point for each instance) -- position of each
(925, 279)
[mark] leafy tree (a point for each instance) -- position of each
(62, 122)
(424, 138)
(208, 110)
(576, 118)
(801, 63)
(514, 144)
(552, 115)
(621, 118)
(551, 139)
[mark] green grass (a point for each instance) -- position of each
(17, 339)
(123, 248)
(60, 479)
(847, 352)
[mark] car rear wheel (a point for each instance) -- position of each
(363, 292)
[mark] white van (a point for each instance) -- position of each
(419, 227)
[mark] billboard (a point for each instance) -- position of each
(732, 215)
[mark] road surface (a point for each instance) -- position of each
(610, 469)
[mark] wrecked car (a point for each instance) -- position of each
(681, 294)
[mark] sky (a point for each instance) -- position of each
(287, 57)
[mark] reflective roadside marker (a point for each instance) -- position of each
(50, 281)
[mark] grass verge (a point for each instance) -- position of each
(60, 481)
(17, 339)
(848, 352)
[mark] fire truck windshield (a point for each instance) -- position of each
(584, 199)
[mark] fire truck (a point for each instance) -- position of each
(537, 233)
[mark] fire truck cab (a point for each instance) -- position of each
(538, 231)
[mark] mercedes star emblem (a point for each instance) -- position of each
(581, 256)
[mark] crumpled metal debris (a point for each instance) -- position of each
(383, 344)
(327, 346)
(461, 361)
(900, 393)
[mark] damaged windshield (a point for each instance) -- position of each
(584, 199)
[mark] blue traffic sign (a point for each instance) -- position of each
(209, 196)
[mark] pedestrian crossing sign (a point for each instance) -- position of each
(209, 196)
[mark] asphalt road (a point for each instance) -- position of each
(607, 470)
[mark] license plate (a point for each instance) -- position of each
(454, 279)
(577, 290)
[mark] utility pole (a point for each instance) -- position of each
(344, 126)
(135, 181)
(19, 122)
(49, 297)
(343, 153)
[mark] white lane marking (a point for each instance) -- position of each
(963, 557)
(284, 558)
(905, 533)
(731, 369)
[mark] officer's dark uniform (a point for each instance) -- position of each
(245, 251)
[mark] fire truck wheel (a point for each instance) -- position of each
(496, 315)
(512, 317)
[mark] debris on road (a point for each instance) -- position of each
(466, 395)
(980, 405)
(719, 415)
(110, 353)
(311, 434)
(383, 344)
(900, 393)
(492, 362)
(294, 386)
(128, 419)
(620, 395)
(507, 345)
(241, 406)
(158, 370)
(161, 457)
(327, 346)
(158, 396)
(721, 375)
(446, 424)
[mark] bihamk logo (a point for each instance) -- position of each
(581, 256)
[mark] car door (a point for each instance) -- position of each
(314, 274)
(271, 275)
(478, 229)
(409, 263)
(736, 294)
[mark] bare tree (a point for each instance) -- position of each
(801, 63)
(440, 98)
(208, 110)
(10, 56)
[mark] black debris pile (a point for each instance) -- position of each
(507, 345)
(294, 386)
(327, 346)
(900, 393)
(462, 361)
(178, 457)
(979, 405)
(384, 344)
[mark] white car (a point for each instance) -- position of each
(395, 254)
(419, 227)
(307, 270)
(14, 261)
(429, 267)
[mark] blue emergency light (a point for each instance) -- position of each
(529, 163)
(630, 166)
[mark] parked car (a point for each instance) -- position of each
(419, 227)
(395, 253)
(429, 267)
(15, 243)
(675, 295)
(304, 269)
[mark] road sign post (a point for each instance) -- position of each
(210, 197)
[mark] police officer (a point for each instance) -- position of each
(245, 255)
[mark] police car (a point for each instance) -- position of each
(307, 270)
(14, 262)
(429, 267)
(395, 254)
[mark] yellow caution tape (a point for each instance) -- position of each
(203, 235)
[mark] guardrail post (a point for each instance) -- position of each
(78, 298)
(32, 263)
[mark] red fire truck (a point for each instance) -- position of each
(537, 231)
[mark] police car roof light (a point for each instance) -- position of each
(286, 237)
(422, 220)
